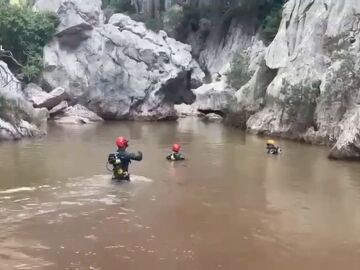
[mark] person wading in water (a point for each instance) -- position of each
(175, 155)
(122, 159)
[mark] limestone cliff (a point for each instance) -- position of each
(120, 70)
(305, 84)
(18, 118)
(316, 89)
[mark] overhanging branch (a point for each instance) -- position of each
(5, 75)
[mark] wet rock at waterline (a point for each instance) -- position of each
(212, 97)
(18, 118)
(216, 96)
(211, 117)
(119, 70)
(77, 114)
(57, 106)
(185, 110)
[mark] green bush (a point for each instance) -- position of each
(122, 6)
(267, 12)
(25, 33)
(239, 73)
(183, 20)
(154, 24)
(271, 23)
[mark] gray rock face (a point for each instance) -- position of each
(211, 98)
(77, 18)
(18, 118)
(184, 110)
(216, 96)
(119, 70)
(348, 144)
(77, 114)
(305, 85)
(42, 99)
(73, 13)
(219, 49)
(314, 91)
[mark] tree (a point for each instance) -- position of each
(24, 33)
(239, 73)
(272, 21)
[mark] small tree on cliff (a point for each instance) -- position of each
(239, 73)
(24, 33)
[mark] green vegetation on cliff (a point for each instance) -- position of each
(271, 21)
(239, 74)
(188, 18)
(122, 6)
(24, 33)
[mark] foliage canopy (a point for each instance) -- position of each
(25, 33)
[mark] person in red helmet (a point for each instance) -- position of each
(175, 155)
(122, 159)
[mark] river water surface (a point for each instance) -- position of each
(229, 206)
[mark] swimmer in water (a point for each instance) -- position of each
(271, 148)
(175, 155)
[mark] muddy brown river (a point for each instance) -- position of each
(229, 206)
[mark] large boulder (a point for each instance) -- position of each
(120, 70)
(42, 99)
(216, 96)
(18, 118)
(76, 18)
(73, 14)
(212, 98)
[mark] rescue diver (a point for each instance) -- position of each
(121, 160)
(175, 155)
(271, 148)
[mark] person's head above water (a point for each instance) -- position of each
(121, 142)
(176, 148)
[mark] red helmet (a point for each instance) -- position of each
(121, 142)
(176, 148)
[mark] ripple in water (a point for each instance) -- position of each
(23, 203)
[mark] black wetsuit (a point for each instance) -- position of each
(272, 149)
(175, 156)
(121, 170)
